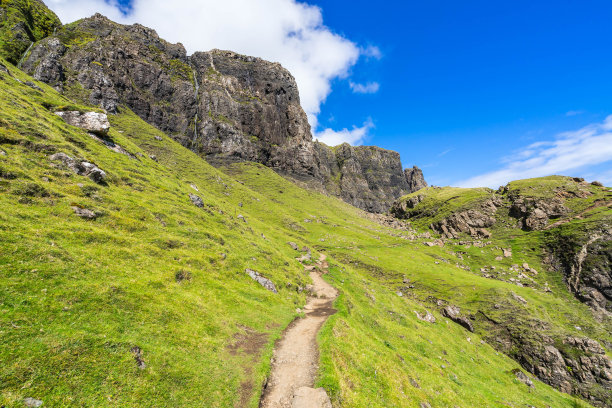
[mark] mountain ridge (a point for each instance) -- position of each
(225, 106)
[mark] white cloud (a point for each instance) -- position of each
(372, 51)
(569, 151)
(353, 137)
(284, 31)
(369, 88)
(574, 113)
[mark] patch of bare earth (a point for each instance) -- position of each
(249, 342)
(295, 361)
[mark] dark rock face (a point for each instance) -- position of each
(224, 106)
(367, 177)
(415, 179)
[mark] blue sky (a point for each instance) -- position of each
(472, 91)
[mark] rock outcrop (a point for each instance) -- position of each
(224, 106)
(585, 261)
(473, 221)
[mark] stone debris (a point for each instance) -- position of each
(265, 282)
(293, 245)
(522, 377)
(196, 200)
(82, 168)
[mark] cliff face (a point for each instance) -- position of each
(224, 106)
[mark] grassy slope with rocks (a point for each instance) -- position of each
(555, 315)
(154, 271)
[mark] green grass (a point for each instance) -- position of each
(76, 296)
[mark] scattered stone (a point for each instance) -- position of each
(429, 244)
(306, 397)
(153, 157)
(425, 405)
(241, 217)
(223, 256)
(400, 294)
(578, 179)
(32, 402)
(137, 352)
(196, 200)
(84, 213)
(82, 168)
(94, 122)
(522, 377)
(414, 383)
(158, 138)
(519, 298)
(597, 183)
(2, 153)
(453, 313)
(498, 258)
(507, 252)
(194, 187)
(265, 282)
(427, 317)
(293, 245)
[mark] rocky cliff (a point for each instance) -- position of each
(224, 106)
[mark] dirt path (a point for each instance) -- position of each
(295, 361)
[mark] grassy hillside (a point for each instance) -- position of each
(156, 280)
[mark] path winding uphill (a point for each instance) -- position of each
(294, 365)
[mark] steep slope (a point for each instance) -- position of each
(224, 106)
(23, 22)
(130, 291)
(567, 223)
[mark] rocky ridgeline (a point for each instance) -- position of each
(224, 106)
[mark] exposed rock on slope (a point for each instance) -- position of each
(585, 259)
(224, 106)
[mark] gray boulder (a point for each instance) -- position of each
(196, 200)
(93, 122)
(265, 282)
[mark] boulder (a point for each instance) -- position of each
(196, 200)
(265, 282)
(93, 122)
(84, 213)
(427, 317)
(522, 377)
(293, 245)
(32, 402)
